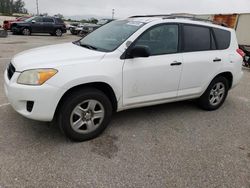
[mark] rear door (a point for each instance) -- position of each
(48, 25)
(201, 59)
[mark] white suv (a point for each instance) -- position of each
(136, 62)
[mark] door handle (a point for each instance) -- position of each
(175, 63)
(217, 60)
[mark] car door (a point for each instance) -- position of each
(37, 25)
(201, 60)
(48, 25)
(154, 78)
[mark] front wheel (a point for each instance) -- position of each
(26, 31)
(215, 94)
(84, 114)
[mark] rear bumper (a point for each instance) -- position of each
(16, 30)
(6, 26)
(64, 30)
(237, 78)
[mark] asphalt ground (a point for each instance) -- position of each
(170, 145)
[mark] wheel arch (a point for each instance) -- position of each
(228, 75)
(102, 86)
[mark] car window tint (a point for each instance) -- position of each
(161, 39)
(58, 20)
(196, 38)
(213, 44)
(223, 38)
(48, 20)
(38, 19)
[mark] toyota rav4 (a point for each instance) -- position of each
(130, 63)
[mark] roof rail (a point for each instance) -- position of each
(153, 15)
(176, 16)
(197, 19)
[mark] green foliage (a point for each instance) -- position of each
(8, 7)
(59, 15)
(93, 20)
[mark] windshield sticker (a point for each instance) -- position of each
(135, 23)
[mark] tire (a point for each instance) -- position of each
(58, 32)
(215, 95)
(26, 31)
(84, 114)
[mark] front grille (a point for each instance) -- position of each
(10, 71)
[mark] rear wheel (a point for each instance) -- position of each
(26, 31)
(85, 114)
(58, 32)
(215, 94)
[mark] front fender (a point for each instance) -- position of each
(97, 79)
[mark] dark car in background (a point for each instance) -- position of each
(88, 28)
(246, 50)
(40, 24)
(84, 29)
(7, 24)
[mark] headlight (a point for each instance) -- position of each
(36, 76)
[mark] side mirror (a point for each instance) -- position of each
(139, 51)
(33, 21)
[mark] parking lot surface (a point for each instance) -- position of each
(171, 145)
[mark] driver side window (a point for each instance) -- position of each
(38, 19)
(162, 39)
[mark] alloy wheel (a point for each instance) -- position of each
(87, 116)
(217, 94)
(58, 32)
(26, 31)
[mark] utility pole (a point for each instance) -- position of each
(113, 13)
(37, 9)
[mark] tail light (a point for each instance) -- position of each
(241, 52)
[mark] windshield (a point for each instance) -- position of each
(109, 37)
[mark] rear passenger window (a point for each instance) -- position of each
(213, 45)
(223, 38)
(60, 21)
(196, 38)
(50, 20)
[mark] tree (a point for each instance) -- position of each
(59, 15)
(93, 20)
(8, 7)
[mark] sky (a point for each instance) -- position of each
(126, 8)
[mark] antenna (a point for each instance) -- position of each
(113, 13)
(37, 8)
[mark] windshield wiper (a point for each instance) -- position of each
(88, 46)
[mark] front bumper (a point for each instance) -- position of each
(16, 29)
(45, 98)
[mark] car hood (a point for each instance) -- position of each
(9, 20)
(54, 56)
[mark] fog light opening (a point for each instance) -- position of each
(29, 106)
